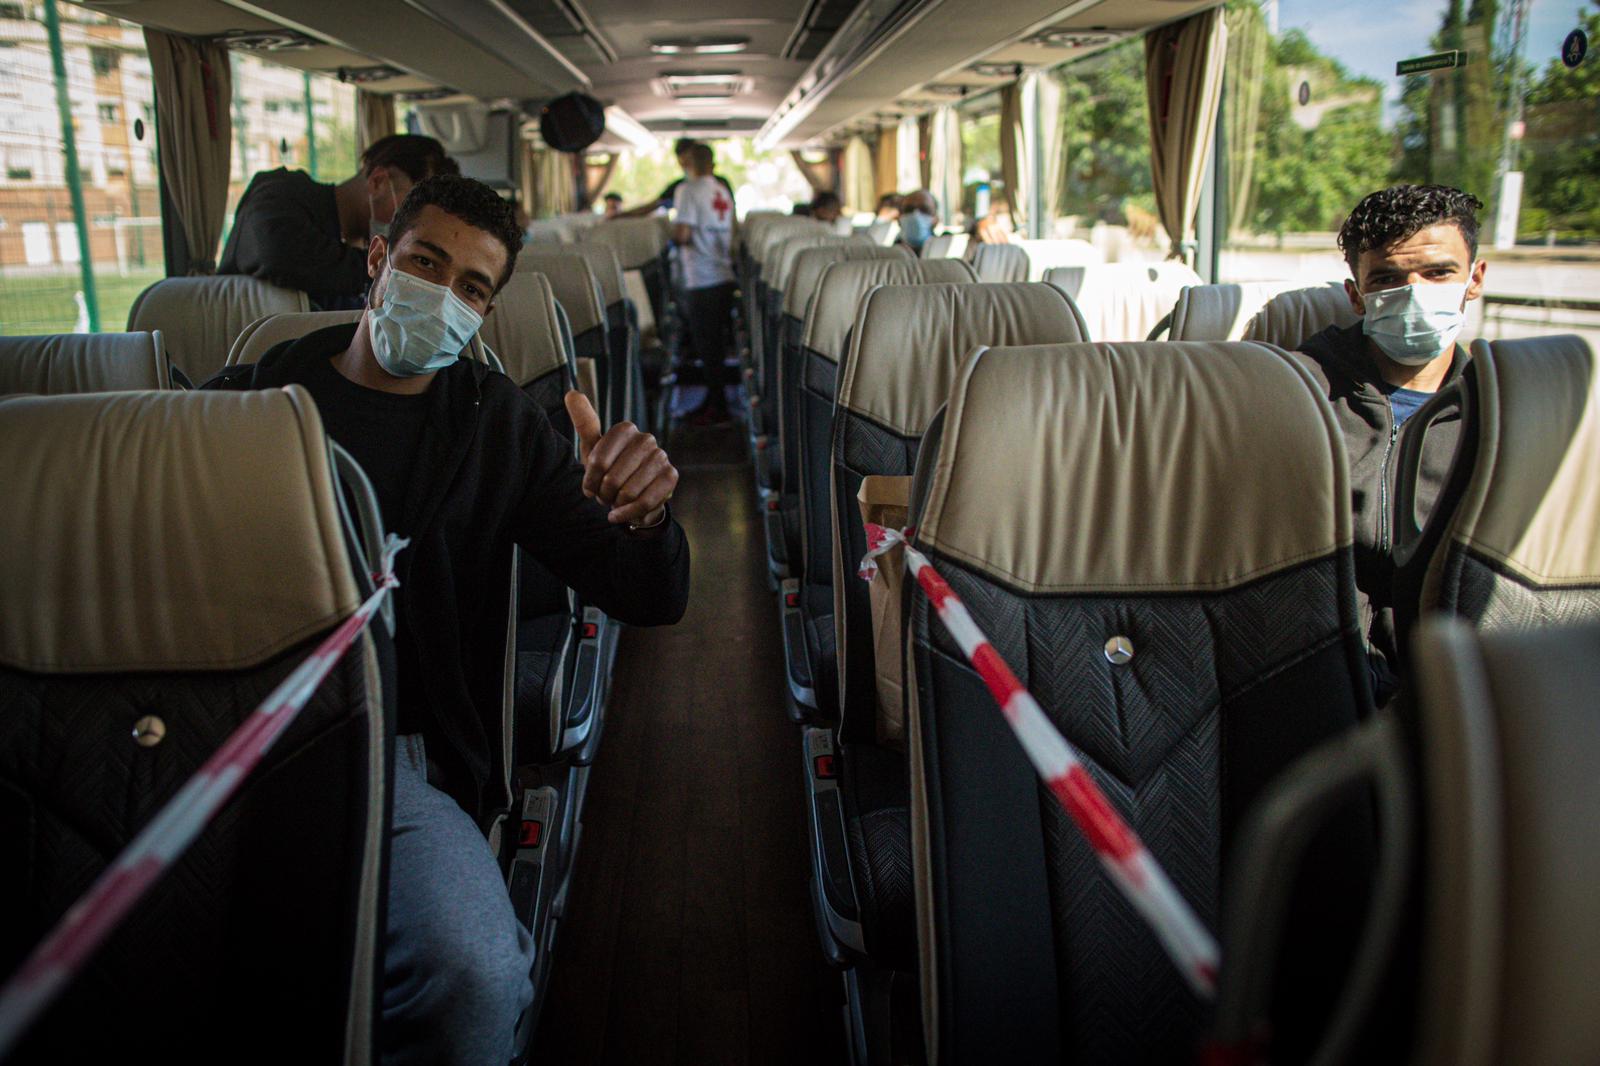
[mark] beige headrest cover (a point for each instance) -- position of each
(1239, 312)
(843, 285)
(637, 241)
(58, 363)
(1533, 504)
(573, 283)
(1000, 262)
(789, 249)
(1123, 301)
(910, 340)
(523, 329)
(167, 531)
(1137, 467)
(811, 262)
(1291, 318)
(602, 259)
(263, 334)
(770, 236)
(200, 317)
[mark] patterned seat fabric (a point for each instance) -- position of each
(110, 614)
(1076, 493)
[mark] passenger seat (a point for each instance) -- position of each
(60, 363)
(1123, 301)
(179, 555)
(1280, 313)
(577, 290)
(999, 262)
(1156, 538)
(199, 318)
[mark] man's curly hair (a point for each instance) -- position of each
(472, 202)
(1388, 216)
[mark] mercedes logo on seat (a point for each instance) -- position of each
(1119, 650)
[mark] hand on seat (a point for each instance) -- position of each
(625, 469)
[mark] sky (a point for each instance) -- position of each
(1370, 36)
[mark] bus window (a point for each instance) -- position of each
(983, 186)
(1315, 116)
(54, 276)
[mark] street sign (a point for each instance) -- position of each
(1437, 61)
(1574, 48)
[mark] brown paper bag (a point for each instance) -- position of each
(885, 501)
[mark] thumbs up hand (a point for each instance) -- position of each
(624, 468)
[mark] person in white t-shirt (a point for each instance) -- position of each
(703, 231)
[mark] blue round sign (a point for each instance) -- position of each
(1574, 48)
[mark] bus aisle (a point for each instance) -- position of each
(689, 936)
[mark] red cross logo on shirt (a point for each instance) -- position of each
(720, 205)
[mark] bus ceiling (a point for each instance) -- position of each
(787, 72)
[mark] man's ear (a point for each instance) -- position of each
(1356, 302)
(1475, 285)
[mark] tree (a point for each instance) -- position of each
(1561, 147)
(1106, 136)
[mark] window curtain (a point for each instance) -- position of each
(1183, 81)
(944, 160)
(596, 176)
(1248, 40)
(860, 186)
(554, 190)
(885, 165)
(823, 175)
(907, 156)
(925, 156)
(1052, 147)
(374, 118)
(1014, 165)
(529, 179)
(194, 134)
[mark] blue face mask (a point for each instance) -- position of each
(1414, 324)
(916, 228)
(420, 327)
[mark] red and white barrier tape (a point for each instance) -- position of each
(60, 956)
(1131, 866)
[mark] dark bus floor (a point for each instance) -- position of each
(689, 935)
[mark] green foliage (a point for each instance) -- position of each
(1106, 135)
(1561, 148)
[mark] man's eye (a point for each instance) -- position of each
(473, 291)
(422, 261)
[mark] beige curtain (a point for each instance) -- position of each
(1183, 80)
(1246, 66)
(596, 176)
(860, 185)
(1052, 129)
(1014, 166)
(529, 183)
(374, 118)
(822, 175)
(925, 155)
(194, 126)
(554, 190)
(885, 164)
(944, 161)
(907, 156)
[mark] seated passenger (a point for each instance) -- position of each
(889, 207)
(303, 234)
(465, 465)
(1412, 251)
(826, 207)
(919, 214)
(613, 205)
(994, 227)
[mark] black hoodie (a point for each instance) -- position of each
(491, 471)
(1340, 358)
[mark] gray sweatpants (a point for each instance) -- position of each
(457, 960)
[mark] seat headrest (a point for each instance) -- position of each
(602, 260)
(1533, 502)
(1089, 468)
(637, 240)
(1239, 312)
(1289, 319)
(909, 341)
(809, 264)
(524, 329)
(946, 246)
(264, 333)
(199, 318)
(1000, 262)
(574, 285)
(1047, 255)
(1123, 301)
(789, 249)
(167, 531)
(767, 240)
(59, 363)
(843, 285)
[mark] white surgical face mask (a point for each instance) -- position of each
(420, 327)
(1414, 324)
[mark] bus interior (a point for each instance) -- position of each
(1025, 707)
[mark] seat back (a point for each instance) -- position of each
(789, 250)
(1509, 735)
(999, 262)
(1051, 254)
(524, 331)
(178, 555)
(636, 241)
(1073, 495)
(1281, 313)
(1513, 541)
(260, 336)
(199, 318)
(1123, 301)
(58, 363)
(578, 292)
(946, 246)
(907, 345)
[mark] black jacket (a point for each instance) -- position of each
(1341, 361)
(286, 231)
(490, 472)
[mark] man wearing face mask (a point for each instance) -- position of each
(1412, 251)
(919, 214)
(303, 234)
(466, 465)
